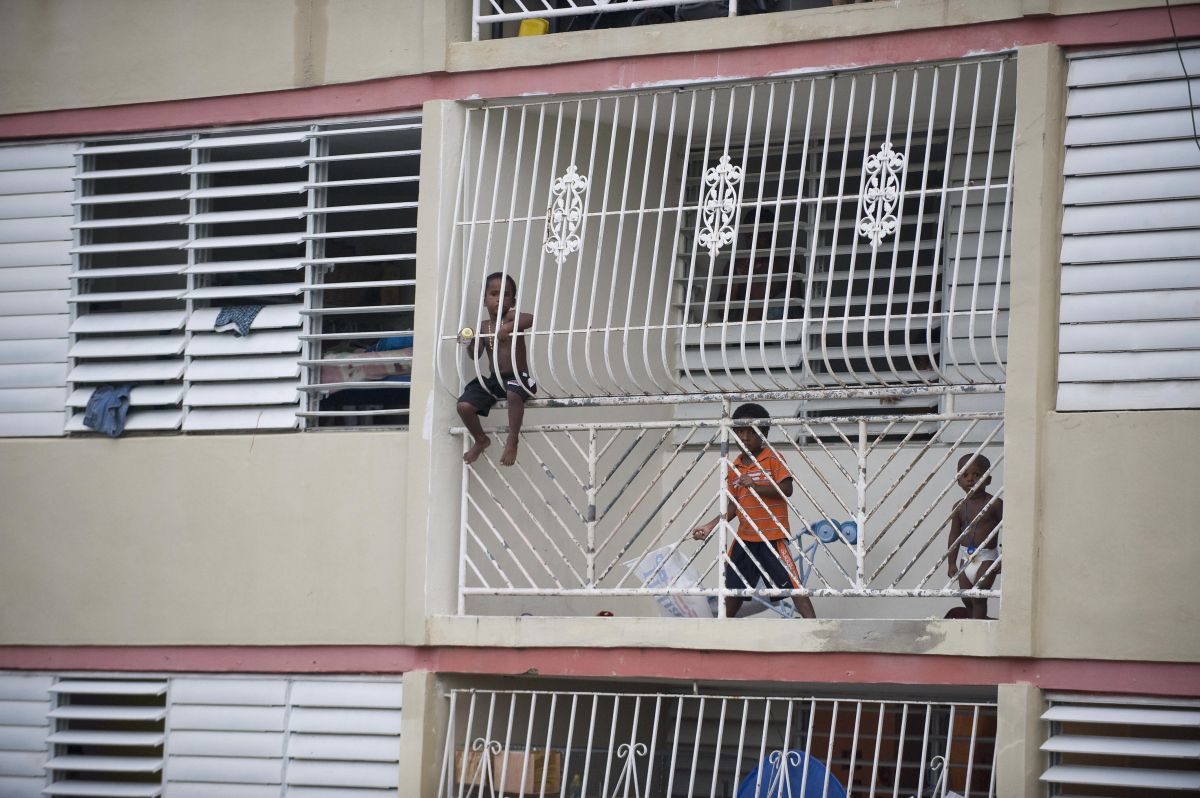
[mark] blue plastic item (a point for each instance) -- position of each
(824, 531)
(827, 532)
(781, 775)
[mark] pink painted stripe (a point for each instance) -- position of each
(1142, 678)
(394, 94)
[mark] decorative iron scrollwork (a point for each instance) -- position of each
(877, 205)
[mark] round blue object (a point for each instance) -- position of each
(824, 531)
(783, 774)
(849, 531)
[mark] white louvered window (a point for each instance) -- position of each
(24, 726)
(269, 736)
(1129, 335)
(35, 258)
(305, 233)
(1109, 745)
(107, 738)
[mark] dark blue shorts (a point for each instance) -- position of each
(770, 561)
(483, 396)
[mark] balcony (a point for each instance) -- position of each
(496, 19)
(549, 742)
(833, 248)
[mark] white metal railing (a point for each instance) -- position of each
(631, 745)
(606, 510)
(632, 12)
(837, 232)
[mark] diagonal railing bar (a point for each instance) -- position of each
(807, 426)
(500, 538)
(921, 486)
(529, 447)
(657, 538)
(663, 470)
(545, 464)
(929, 446)
(529, 545)
(583, 455)
(634, 473)
(483, 546)
(529, 481)
(608, 444)
(882, 467)
(705, 511)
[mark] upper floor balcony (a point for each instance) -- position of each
(834, 248)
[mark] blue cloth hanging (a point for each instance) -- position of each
(106, 409)
(237, 318)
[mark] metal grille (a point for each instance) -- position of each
(633, 745)
(312, 227)
(844, 231)
(586, 14)
(605, 510)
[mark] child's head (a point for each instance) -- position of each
(753, 436)
(973, 473)
(492, 300)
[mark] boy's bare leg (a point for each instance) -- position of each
(470, 419)
(516, 414)
(804, 606)
(732, 605)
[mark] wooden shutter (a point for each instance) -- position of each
(1129, 335)
(35, 242)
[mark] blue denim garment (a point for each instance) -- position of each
(107, 408)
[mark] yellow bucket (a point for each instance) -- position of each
(534, 27)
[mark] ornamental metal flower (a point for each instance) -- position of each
(565, 214)
(719, 199)
(877, 205)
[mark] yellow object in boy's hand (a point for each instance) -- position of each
(465, 336)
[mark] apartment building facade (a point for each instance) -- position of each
(929, 237)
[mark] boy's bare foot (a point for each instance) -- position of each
(509, 455)
(473, 453)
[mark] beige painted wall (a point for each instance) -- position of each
(1119, 543)
(81, 53)
(267, 539)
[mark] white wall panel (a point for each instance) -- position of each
(1129, 314)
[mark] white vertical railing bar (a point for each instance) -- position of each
(583, 230)
(620, 239)
(656, 249)
(696, 747)
(962, 220)
(595, 296)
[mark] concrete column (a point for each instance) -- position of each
(1019, 760)
(1033, 330)
(435, 457)
(421, 743)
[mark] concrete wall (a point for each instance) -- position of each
(265, 539)
(1119, 544)
(58, 54)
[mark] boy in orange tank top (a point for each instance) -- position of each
(759, 483)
